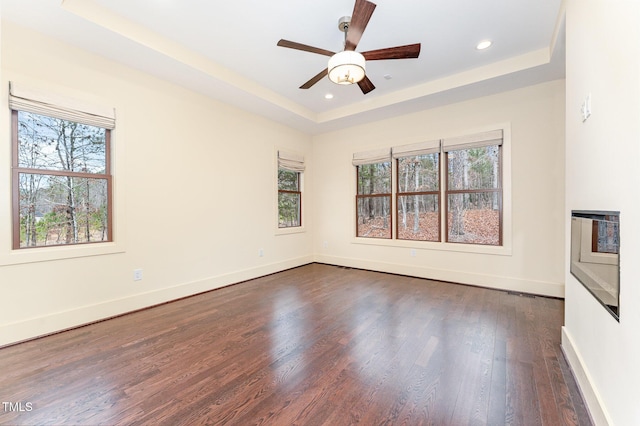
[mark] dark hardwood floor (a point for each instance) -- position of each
(315, 345)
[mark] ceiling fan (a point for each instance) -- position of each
(348, 66)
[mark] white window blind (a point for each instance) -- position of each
(371, 157)
(421, 148)
(478, 140)
(22, 98)
(291, 161)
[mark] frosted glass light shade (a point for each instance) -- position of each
(346, 67)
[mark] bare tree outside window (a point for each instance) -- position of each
(418, 198)
(451, 187)
(474, 195)
(61, 182)
(373, 202)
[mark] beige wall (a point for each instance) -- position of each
(532, 260)
(603, 164)
(175, 192)
(195, 196)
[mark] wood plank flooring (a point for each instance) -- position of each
(315, 345)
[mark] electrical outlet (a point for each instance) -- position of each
(137, 274)
(325, 244)
(261, 252)
(412, 252)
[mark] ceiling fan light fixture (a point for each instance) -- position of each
(346, 67)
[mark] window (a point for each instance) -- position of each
(61, 179)
(474, 189)
(61, 182)
(290, 168)
(289, 198)
(605, 234)
(450, 187)
(418, 191)
(373, 200)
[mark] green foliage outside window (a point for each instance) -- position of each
(289, 199)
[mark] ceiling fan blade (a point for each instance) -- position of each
(362, 12)
(366, 85)
(304, 47)
(315, 79)
(398, 52)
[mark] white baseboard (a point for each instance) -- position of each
(52, 323)
(543, 288)
(55, 322)
(590, 394)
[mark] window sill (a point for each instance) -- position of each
(292, 230)
(46, 254)
(440, 246)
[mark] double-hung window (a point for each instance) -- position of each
(474, 188)
(61, 177)
(373, 201)
(418, 191)
(290, 169)
(447, 190)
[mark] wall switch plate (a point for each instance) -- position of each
(261, 252)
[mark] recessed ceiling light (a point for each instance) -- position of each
(483, 44)
(328, 96)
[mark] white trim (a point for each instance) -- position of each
(40, 326)
(290, 230)
(592, 399)
(435, 245)
(45, 254)
(498, 282)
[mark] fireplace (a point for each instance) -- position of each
(595, 255)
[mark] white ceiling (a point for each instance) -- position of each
(227, 49)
